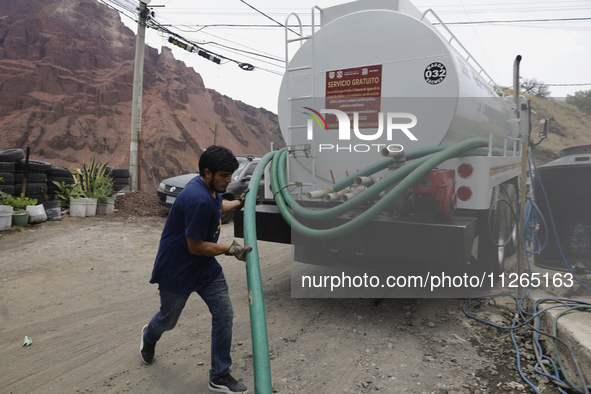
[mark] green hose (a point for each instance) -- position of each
(372, 192)
(380, 165)
(410, 155)
(345, 207)
(406, 175)
(258, 321)
(421, 170)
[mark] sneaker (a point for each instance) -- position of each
(227, 384)
(146, 349)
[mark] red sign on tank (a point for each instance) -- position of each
(356, 89)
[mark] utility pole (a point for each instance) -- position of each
(136, 104)
(215, 135)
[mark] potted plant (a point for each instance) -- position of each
(101, 206)
(94, 182)
(20, 216)
(65, 192)
(102, 188)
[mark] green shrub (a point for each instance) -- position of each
(65, 192)
(18, 204)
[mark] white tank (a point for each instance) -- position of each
(379, 57)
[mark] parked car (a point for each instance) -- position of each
(169, 189)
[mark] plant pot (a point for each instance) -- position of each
(110, 205)
(20, 218)
(36, 213)
(5, 217)
(101, 209)
(53, 210)
(91, 207)
(78, 207)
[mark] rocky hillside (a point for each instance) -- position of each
(568, 126)
(66, 75)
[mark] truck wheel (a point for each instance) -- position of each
(493, 235)
(510, 194)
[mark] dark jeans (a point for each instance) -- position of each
(217, 298)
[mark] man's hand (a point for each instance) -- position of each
(243, 198)
(238, 251)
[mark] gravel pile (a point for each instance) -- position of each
(135, 204)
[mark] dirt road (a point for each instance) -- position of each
(79, 288)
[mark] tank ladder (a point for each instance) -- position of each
(469, 59)
(293, 100)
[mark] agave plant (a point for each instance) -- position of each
(91, 176)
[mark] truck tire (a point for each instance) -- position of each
(59, 173)
(32, 177)
(8, 189)
(66, 180)
(118, 188)
(119, 173)
(32, 188)
(510, 194)
(11, 155)
(7, 178)
(39, 197)
(493, 235)
(6, 167)
(34, 165)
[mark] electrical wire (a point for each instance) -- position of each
(151, 23)
(109, 4)
(517, 21)
(122, 7)
(262, 13)
(571, 305)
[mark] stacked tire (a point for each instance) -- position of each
(12, 170)
(7, 159)
(58, 175)
(120, 178)
(36, 185)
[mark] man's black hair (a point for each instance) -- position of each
(217, 158)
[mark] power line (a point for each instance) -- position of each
(262, 13)
(480, 42)
(447, 23)
(518, 21)
(195, 47)
(567, 84)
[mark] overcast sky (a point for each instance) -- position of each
(554, 52)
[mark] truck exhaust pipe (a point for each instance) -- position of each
(516, 84)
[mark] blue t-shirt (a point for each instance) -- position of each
(195, 214)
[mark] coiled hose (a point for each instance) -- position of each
(406, 176)
(405, 183)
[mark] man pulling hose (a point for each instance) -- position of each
(186, 263)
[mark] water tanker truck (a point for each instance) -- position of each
(400, 147)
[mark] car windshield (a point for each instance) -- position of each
(236, 173)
